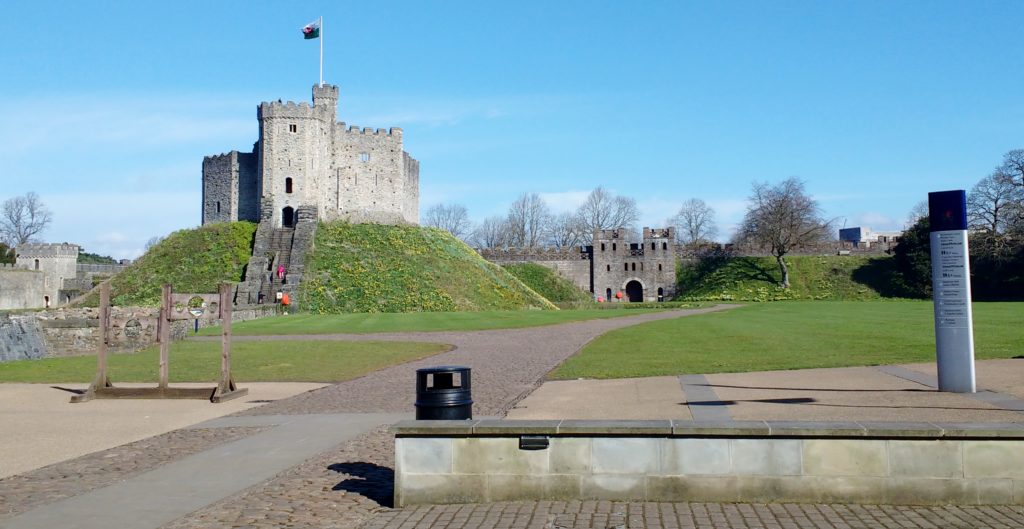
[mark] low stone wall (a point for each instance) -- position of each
(75, 331)
(439, 462)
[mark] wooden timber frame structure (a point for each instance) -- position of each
(172, 307)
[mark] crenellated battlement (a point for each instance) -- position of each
(500, 255)
(366, 131)
(659, 233)
(222, 157)
(43, 250)
(616, 233)
(290, 110)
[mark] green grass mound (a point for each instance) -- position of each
(377, 268)
(547, 283)
(192, 261)
(821, 277)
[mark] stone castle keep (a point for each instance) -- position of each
(305, 158)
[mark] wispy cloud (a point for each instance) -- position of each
(119, 224)
(79, 123)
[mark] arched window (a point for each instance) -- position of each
(634, 267)
(659, 267)
(608, 268)
(653, 246)
(664, 246)
(602, 247)
(613, 247)
(625, 267)
(37, 264)
(288, 185)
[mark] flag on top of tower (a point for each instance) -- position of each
(311, 30)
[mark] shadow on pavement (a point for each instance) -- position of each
(375, 482)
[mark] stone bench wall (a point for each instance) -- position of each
(439, 462)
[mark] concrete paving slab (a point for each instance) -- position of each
(635, 398)
(820, 395)
(847, 394)
(41, 426)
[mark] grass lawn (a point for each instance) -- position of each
(789, 335)
(362, 323)
(299, 361)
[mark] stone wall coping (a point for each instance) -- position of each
(685, 428)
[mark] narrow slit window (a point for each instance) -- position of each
(608, 268)
(293, 128)
(218, 207)
(625, 267)
(634, 267)
(664, 246)
(288, 185)
(364, 157)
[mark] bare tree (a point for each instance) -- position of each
(454, 218)
(781, 218)
(1012, 167)
(994, 203)
(528, 218)
(153, 241)
(918, 212)
(603, 211)
(695, 222)
(22, 219)
(491, 233)
(565, 230)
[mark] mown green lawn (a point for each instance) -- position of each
(277, 361)
(789, 335)
(362, 323)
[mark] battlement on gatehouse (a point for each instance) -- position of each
(45, 250)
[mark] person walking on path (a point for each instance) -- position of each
(280, 271)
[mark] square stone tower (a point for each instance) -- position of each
(304, 157)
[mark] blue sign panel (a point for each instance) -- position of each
(947, 210)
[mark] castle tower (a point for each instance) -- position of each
(57, 262)
(641, 271)
(304, 157)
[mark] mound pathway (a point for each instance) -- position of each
(350, 484)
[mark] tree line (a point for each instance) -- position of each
(529, 222)
(995, 217)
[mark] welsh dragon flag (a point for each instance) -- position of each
(311, 30)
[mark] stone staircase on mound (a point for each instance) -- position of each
(275, 246)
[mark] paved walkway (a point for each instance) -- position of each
(325, 459)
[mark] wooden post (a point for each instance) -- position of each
(102, 380)
(225, 336)
(165, 333)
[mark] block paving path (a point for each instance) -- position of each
(349, 486)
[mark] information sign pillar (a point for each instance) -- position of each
(951, 291)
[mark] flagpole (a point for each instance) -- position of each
(321, 50)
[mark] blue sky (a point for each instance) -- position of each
(109, 107)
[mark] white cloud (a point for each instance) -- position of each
(564, 201)
(119, 224)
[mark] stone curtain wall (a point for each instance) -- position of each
(571, 263)
(20, 338)
(21, 289)
(75, 332)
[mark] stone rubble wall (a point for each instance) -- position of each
(75, 331)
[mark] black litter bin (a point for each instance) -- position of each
(440, 395)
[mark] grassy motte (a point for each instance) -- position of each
(790, 335)
(812, 277)
(195, 260)
(378, 268)
(547, 283)
(363, 323)
(190, 361)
